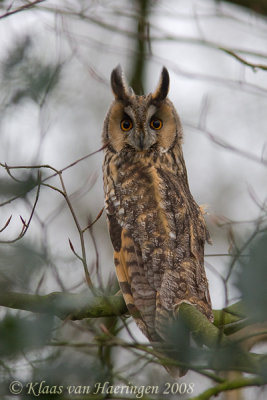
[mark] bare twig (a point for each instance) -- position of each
(74, 252)
(229, 147)
(26, 6)
(63, 193)
(243, 61)
(6, 224)
(47, 166)
(27, 224)
(83, 258)
(94, 221)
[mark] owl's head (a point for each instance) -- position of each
(141, 123)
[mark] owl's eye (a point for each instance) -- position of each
(156, 124)
(126, 125)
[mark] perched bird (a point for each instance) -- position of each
(157, 230)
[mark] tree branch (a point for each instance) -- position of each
(82, 305)
(254, 66)
(229, 385)
(26, 6)
(208, 334)
(201, 328)
(142, 42)
(229, 315)
(79, 306)
(66, 305)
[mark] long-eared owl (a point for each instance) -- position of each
(156, 228)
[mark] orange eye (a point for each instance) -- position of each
(156, 124)
(126, 125)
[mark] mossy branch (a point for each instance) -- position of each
(205, 333)
(86, 305)
(66, 305)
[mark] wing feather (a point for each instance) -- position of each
(139, 296)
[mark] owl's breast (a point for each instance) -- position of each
(155, 208)
(144, 203)
(154, 204)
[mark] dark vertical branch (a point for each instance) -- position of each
(139, 61)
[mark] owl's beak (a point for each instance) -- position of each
(141, 140)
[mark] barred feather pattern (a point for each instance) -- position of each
(161, 229)
(157, 230)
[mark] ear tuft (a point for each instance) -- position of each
(119, 85)
(162, 89)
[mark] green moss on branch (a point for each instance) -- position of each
(66, 305)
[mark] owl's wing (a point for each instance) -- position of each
(186, 281)
(139, 296)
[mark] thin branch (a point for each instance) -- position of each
(238, 252)
(47, 166)
(27, 224)
(230, 385)
(22, 8)
(94, 221)
(11, 176)
(83, 258)
(228, 146)
(6, 224)
(77, 161)
(162, 37)
(54, 188)
(91, 233)
(74, 252)
(243, 61)
(258, 336)
(62, 192)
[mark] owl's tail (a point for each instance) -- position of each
(172, 355)
(176, 372)
(175, 339)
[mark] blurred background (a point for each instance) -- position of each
(55, 63)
